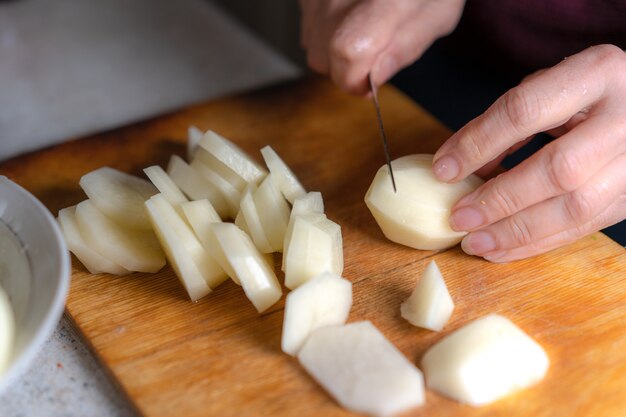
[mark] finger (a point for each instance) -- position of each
(364, 33)
(490, 166)
(560, 167)
(612, 215)
(550, 217)
(574, 121)
(541, 103)
(413, 38)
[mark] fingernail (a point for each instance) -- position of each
(466, 218)
(495, 257)
(478, 242)
(446, 168)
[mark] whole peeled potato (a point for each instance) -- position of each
(417, 214)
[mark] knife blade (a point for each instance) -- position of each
(381, 128)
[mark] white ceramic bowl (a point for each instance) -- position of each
(37, 303)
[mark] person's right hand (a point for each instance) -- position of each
(349, 38)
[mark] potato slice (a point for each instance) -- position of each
(231, 195)
(119, 195)
(417, 214)
(166, 186)
(314, 246)
(93, 261)
(310, 202)
(7, 330)
(233, 157)
(194, 266)
(250, 266)
(252, 220)
(362, 370)
(134, 250)
(486, 360)
(193, 184)
(194, 135)
(273, 212)
(285, 179)
(323, 301)
(430, 305)
(200, 209)
(207, 159)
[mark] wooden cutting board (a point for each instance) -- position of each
(218, 357)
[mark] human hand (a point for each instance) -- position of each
(349, 38)
(572, 187)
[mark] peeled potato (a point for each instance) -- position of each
(193, 184)
(134, 250)
(323, 301)
(119, 195)
(252, 221)
(7, 330)
(249, 266)
(193, 266)
(362, 370)
(166, 187)
(417, 214)
(231, 195)
(273, 212)
(194, 135)
(314, 246)
(310, 202)
(93, 260)
(430, 305)
(233, 157)
(485, 360)
(284, 177)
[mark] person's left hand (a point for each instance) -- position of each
(572, 187)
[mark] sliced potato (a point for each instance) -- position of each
(93, 261)
(417, 215)
(252, 220)
(315, 246)
(166, 186)
(273, 212)
(231, 195)
(233, 157)
(483, 361)
(362, 370)
(182, 253)
(193, 184)
(310, 202)
(250, 266)
(202, 209)
(285, 179)
(201, 225)
(323, 301)
(194, 135)
(207, 159)
(430, 305)
(134, 250)
(119, 195)
(7, 330)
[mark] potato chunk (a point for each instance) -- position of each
(486, 360)
(362, 370)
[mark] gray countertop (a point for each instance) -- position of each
(73, 67)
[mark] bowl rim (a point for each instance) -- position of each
(57, 306)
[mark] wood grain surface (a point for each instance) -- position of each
(218, 357)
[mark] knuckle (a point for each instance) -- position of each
(520, 232)
(565, 170)
(608, 54)
(506, 202)
(475, 146)
(347, 47)
(580, 206)
(522, 108)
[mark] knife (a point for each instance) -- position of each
(381, 128)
